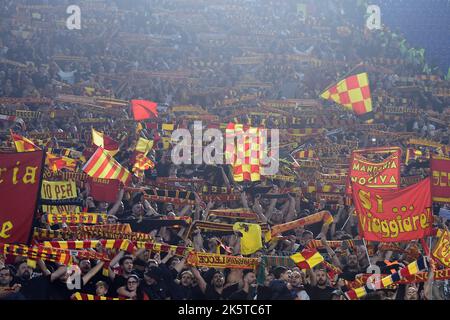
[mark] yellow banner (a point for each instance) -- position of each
(59, 190)
(442, 249)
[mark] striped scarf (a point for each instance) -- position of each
(220, 228)
(216, 189)
(89, 297)
(125, 228)
(240, 213)
(408, 271)
(75, 176)
(74, 218)
(162, 247)
(212, 260)
(439, 275)
(181, 180)
(37, 253)
(125, 245)
(317, 244)
(162, 196)
(324, 216)
(220, 197)
(45, 234)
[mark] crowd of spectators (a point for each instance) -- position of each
(296, 51)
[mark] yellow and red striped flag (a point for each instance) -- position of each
(23, 144)
(307, 259)
(102, 140)
(103, 165)
(353, 93)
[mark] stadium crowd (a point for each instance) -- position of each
(226, 58)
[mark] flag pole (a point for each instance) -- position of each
(367, 252)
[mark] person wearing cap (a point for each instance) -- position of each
(153, 287)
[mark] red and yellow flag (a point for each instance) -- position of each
(244, 152)
(354, 94)
(307, 259)
(103, 165)
(102, 140)
(23, 144)
(141, 164)
(56, 163)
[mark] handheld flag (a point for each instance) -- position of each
(353, 93)
(60, 162)
(23, 144)
(144, 109)
(102, 140)
(103, 165)
(144, 146)
(307, 259)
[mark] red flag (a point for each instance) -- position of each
(394, 215)
(19, 188)
(104, 189)
(440, 172)
(144, 109)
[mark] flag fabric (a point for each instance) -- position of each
(19, 194)
(141, 164)
(56, 163)
(23, 144)
(411, 269)
(103, 165)
(144, 146)
(354, 94)
(144, 109)
(104, 189)
(440, 173)
(102, 140)
(394, 215)
(244, 153)
(307, 259)
(441, 250)
(251, 237)
(415, 154)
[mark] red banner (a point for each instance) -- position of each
(394, 215)
(384, 175)
(440, 186)
(104, 189)
(20, 180)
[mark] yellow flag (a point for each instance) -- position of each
(144, 145)
(251, 237)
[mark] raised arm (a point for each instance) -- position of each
(113, 262)
(291, 209)
(331, 252)
(88, 276)
(200, 281)
(117, 204)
